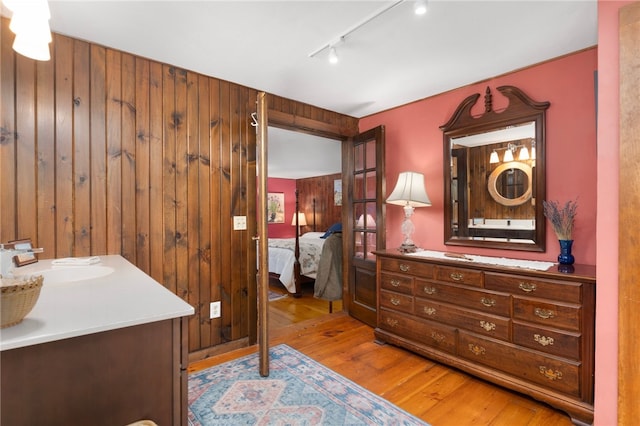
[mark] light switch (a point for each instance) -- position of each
(239, 223)
(214, 310)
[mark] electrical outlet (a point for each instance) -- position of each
(214, 310)
(239, 223)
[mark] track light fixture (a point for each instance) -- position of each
(420, 8)
(333, 56)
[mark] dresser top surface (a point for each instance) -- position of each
(574, 272)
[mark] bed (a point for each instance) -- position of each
(282, 258)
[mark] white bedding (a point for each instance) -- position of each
(282, 257)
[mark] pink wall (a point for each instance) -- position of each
(414, 142)
(288, 187)
(579, 164)
(606, 412)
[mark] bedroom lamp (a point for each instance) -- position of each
(302, 221)
(409, 193)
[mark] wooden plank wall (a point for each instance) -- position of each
(484, 206)
(319, 188)
(107, 153)
(103, 152)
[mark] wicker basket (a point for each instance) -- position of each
(17, 297)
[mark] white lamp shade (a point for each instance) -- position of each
(508, 156)
(371, 223)
(38, 50)
(410, 191)
(302, 220)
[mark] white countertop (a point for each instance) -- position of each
(123, 298)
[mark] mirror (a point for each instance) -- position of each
(494, 173)
(509, 184)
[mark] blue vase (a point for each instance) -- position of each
(565, 257)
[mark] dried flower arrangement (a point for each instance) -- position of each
(561, 218)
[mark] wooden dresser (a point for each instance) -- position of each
(530, 331)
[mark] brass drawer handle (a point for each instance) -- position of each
(395, 283)
(543, 340)
(477, 350)
(527, 287)
(488, 302)
(404, 267)
(429, 290)
(550, 374)
(394, 301)
(392, 322)
(456, 276)
(544, 313)
(489, 326)
(429, 311)
(437, 337)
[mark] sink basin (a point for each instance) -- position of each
(60, 275)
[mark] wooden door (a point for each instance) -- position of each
(628, 264)
(363, 218)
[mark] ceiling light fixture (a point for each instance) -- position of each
(30, 24)
(333, 56)
(420, 7)
(331, 45)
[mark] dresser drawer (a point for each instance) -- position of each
(459, 276)
(407, 267)
(554, 373)
(534, 287)
(481, 300)
(399, 283)
(566, 316)
(396, 301)
(564, 344)
(490, 325)
(426, 332)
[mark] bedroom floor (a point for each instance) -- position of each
(290, 310)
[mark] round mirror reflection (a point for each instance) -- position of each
(510, 183)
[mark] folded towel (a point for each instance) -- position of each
(76, 261)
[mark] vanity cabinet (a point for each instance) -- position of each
(103, 351)
(530, 331)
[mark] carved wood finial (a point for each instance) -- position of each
(488, 100)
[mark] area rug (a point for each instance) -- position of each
(273, 296)
(298, 391)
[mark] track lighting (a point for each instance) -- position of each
(420, 7)
(333, 56)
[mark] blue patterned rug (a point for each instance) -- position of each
(298, 391)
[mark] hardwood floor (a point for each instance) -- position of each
(437, 394)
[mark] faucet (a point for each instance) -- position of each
(6, 261)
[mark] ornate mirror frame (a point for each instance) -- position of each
(520, 110)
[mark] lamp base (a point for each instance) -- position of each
(407, 248)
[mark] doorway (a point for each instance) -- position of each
(304, 171)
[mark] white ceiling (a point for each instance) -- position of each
(394, 59)
(295, 155)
